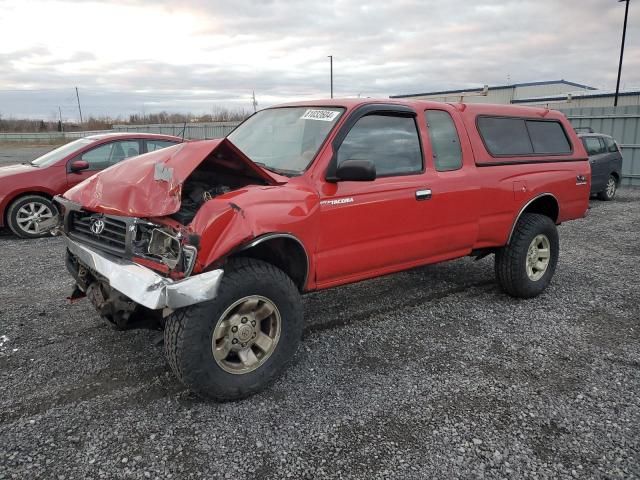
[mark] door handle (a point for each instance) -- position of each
(424, 194)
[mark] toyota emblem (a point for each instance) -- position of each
(97, 226)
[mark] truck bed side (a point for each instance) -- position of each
(557, 183)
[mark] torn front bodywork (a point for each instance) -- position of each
(140, 210)
(179, 217)
(140, 284)
(150, 185)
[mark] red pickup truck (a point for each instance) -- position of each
(223, 236)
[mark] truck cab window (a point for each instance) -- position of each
(445, 143)
(390, 142)
(511, 136)
(548, 137)
(505, 136)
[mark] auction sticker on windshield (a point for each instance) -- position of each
(323, 115)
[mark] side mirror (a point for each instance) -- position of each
(356, 171)
(78, 165)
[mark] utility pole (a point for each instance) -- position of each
(254, 102)
(331, 72)
(624, 33)
(61, 124)
(79, 109)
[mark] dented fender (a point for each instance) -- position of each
(229, 223)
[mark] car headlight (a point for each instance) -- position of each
(170, 250)
(164, 245)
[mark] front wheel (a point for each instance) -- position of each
(610, 191)
(25, 215)
(236, 344)
(525, 266)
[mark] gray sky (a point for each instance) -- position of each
(133, 56)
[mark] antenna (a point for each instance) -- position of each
(79, 109)
(184, 129)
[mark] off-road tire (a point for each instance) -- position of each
(12, 213)
(510, 261)
(188, 332)
(610, 190)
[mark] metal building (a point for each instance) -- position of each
(511, 93)
(552, 94)
(585, 99)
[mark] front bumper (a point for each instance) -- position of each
(143, 285)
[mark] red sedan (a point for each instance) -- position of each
(26, 190)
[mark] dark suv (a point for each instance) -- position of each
(606, 164)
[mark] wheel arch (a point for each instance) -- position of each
(18, 196)
(544, 204)
(617, 176)
(284, 250)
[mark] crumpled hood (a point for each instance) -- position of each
(11, 170)
(150, 185)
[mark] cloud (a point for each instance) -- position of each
(131, 55)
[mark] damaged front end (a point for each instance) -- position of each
(129, 246)
(132, 265)
(161, 247)
(142, 285)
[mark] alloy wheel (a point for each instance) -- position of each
(538, 257)
(30, 215)
(246, 334)
(611, 187)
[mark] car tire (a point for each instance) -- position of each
(21, 211)
(255, 300)
(610, 190)
(525, 266)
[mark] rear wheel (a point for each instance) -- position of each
(25, 215)
(525, 266)
(610, 190)
(236, 344)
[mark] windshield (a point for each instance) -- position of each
(286, 139)
(60, 152)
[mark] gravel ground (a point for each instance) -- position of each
(431, 373)
(18, 153)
